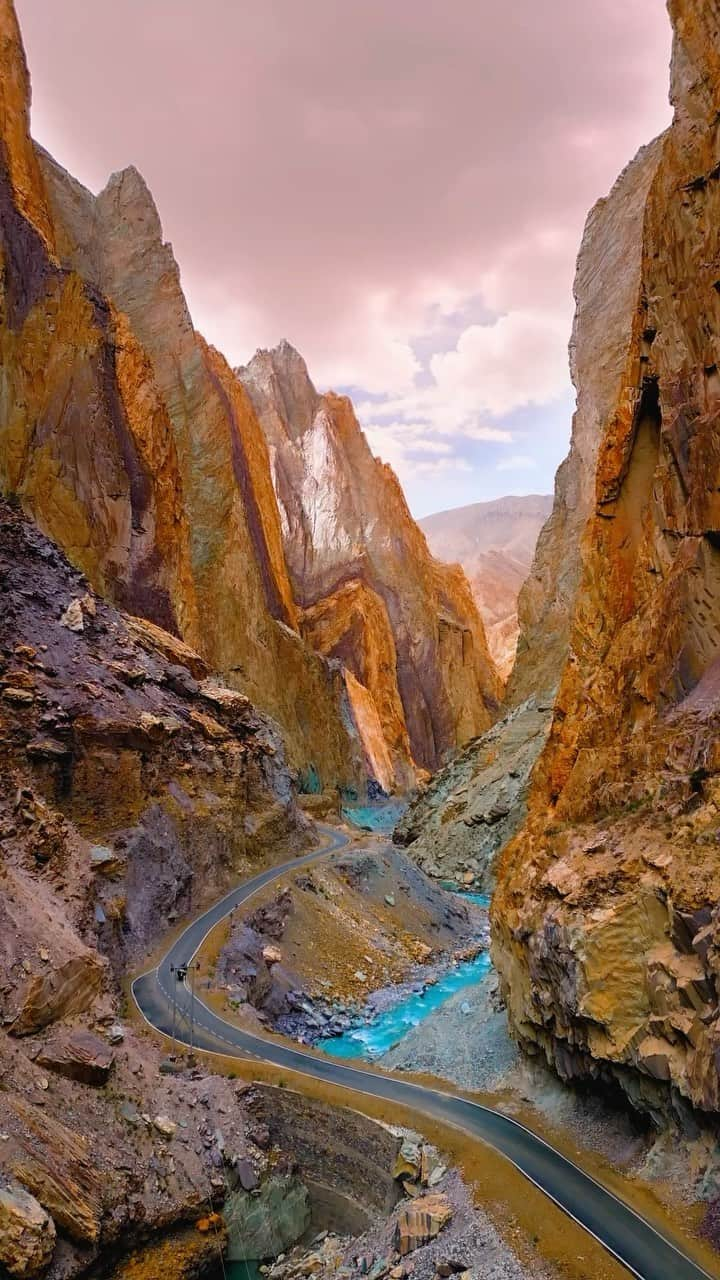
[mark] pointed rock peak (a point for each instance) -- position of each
(129, 195)
(21, 172)
(278, 379)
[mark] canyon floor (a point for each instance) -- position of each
(464, 1042)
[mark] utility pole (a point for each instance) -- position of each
(192, 969)
(173, 971)
(180, 976)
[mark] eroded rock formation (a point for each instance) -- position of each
(134, 446)
(606, 920)
(362, 573)
(133, 787)
(149, 466)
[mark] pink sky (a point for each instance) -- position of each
(397, 188)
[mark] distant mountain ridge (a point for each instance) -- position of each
(495, 543)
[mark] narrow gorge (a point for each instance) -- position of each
(359, 875)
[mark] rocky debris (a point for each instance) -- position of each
(134, 819)
(56, 1165)
(106, 860)
(495, 544)
(408, 1163)
(27, 1233)
(76, 614)
(70, 988)
(165, 1126)
(79, 1055)
(325, 1254)
(422, 1221)
(134, 777)
(311, 987)
(466, 1245)
(456, 826)
(372, 594)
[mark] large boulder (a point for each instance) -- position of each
(27, 1233)
(266, 1222)
(79, 1056)
(421, 1221)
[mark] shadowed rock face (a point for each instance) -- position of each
(345, 521)
(450, 828)
(133, 788)
(606, 926)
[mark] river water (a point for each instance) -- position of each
(372, 1039)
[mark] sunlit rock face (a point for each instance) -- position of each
(71, 446)
(131, 443)
(345, 524)
(607, 292)
(606, 919)
(352, 626)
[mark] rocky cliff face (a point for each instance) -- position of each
(472, 809)
(133, 789)
(231, 596)
(132, 443)
(606, 919)
(495, 544)
(360, 569)
(607, 291)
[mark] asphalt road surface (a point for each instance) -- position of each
(622, 1231)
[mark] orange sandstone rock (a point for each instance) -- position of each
(345, 521)
(605, 921)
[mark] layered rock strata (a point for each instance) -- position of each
(134, 446)
(133, 788)
(355, 555)
(605, 918)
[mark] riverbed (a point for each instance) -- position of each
(370, 1040)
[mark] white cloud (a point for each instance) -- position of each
(521, 359)
(517, 462)
(442, 464)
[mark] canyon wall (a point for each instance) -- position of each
(135, 447)
(606, 924)
(134, 790)
(608, 315)
(473, 807)
(360, 569)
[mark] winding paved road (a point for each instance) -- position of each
(626, 1235)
